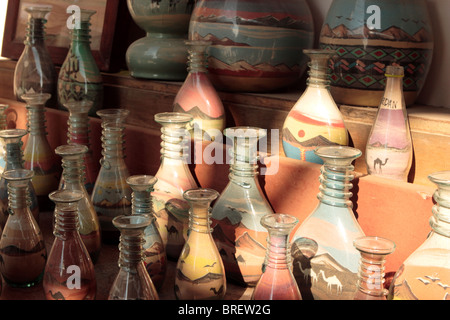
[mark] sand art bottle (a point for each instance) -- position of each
(236, 215)
(69, 273)
(132, 281)
(389, 147)
(198, 97)
(78, 133)
(315, 120)
(174, 177)
(325, 262)
(277, 281)
(12, 139)
(200, 272)
(374, 251)
(111, 196)
(37, 153)
(73, 175)
(22, 248)
(155, 258)
(425, 274)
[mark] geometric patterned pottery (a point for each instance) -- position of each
(256, 45)
(367, 38)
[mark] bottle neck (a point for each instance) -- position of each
(371, 275)
(73, 169)
(141, 202)
(66, 222)
(278, 251)
(244, 164)
(78, 129)
(36, 120)
(35, 32)
(197, 62)
(440, 221)
(81, 36)
(113, 146)
(199, 218)
(335, 185)
(18, 197)
(14, 155)
(131, 253)
(393, 94)
(175, 144)
(318, 75)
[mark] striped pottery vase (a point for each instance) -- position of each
(368, 37)
(256, 44)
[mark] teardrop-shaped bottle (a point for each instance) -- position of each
(22, 247)
(236, 215)
(200, 272)
(79, 77)
(69, 273)
(277, 281)
(73, 175)
(325, 262)
(425, 274)
(35, 71)
(111, 196)
(389, 148)
(174, 177)
(12, 139)
(132, 281)
(198, 97)
(315, 120)
(155, 258)
(37, 153)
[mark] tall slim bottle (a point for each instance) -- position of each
(236, 215)
(325, 262)
(389, 147)
(174, 177)
(111, 196)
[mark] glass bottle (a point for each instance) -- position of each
(132, 281)
(111, 196)
(37, 153)
(12, 139)
(425, 274)
(277, 281)
(198, 97)
(79, 77)
(315, 120)
(78, 133)
(325, 262)
(174, 177)
(200, 272)
(236, 215)
(155, 258)
(35, 71)
(69, 273)
(73, 175)
(371, 269)
(22, 247)
(3, 126)
(389, 147)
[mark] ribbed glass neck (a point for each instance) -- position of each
(318, 68)
(66, 212)
(81, 32)
(141, 198)
(200, 209)
(278, 252)
(197, 58)
(440, 221)
(13, 148)
(337, 175)
(35, 32)
(17, 185)
(78, 122)
(113, 143)
(131, 239)
(72, 163)
(35, 105)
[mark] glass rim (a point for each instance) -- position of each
(374, 245)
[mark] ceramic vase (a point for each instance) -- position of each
(368, 36)
(161, 53)
(256, 45)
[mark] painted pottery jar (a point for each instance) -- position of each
(161, 53)
(256, 45)
(369, 36)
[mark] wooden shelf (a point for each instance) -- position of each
(430, 126)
